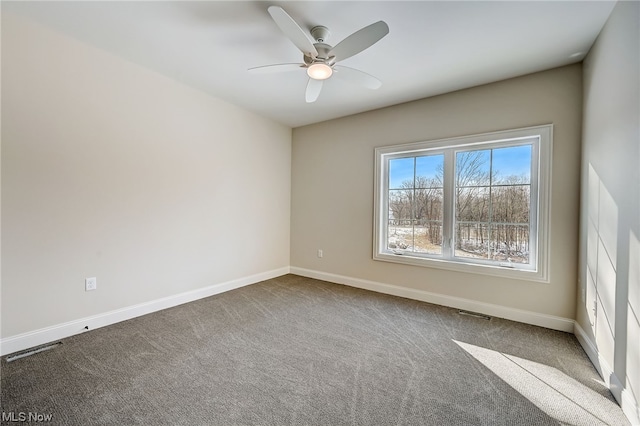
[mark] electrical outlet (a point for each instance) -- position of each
(90, 284)
(320, 253)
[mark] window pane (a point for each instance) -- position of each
(401, 172)
(472, 240)
(400, 230)
(428, 238)
(492, 205)
(400, 235)
(428, 204)
(510, 204)
(472, 204)
(429, 171)
(473, 168)
(510, 243)
(400, 205)
(512, 164)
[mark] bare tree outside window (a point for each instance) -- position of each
(492, 207)
(416, 207)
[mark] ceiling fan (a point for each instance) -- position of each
(319, 58)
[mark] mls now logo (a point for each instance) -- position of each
(25, 417)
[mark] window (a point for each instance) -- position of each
(474, 204)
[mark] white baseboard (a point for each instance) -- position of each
(590, 348)
(624, 396)
(45, 335)
(630, 407)
(519, 315)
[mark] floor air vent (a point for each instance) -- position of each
(475, 315)
(32, 351)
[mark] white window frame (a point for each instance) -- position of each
(538, 270)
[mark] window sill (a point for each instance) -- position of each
(457, 266)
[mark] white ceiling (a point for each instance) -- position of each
(432, 47)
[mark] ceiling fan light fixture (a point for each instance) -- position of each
(319, 71)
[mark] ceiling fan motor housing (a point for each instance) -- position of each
(320, 34)
(323, 55)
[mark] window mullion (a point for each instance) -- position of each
(491, 224)
(413, 208)
(448, 219)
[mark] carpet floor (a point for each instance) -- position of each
(298, 351)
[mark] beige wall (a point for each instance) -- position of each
(113, 171)
(332, 186)
(610, 221)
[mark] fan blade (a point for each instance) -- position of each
(269, 69)
(293, 31)
(356, 76)
(313, 90)
(360, 40)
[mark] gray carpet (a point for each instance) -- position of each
(297, 351)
